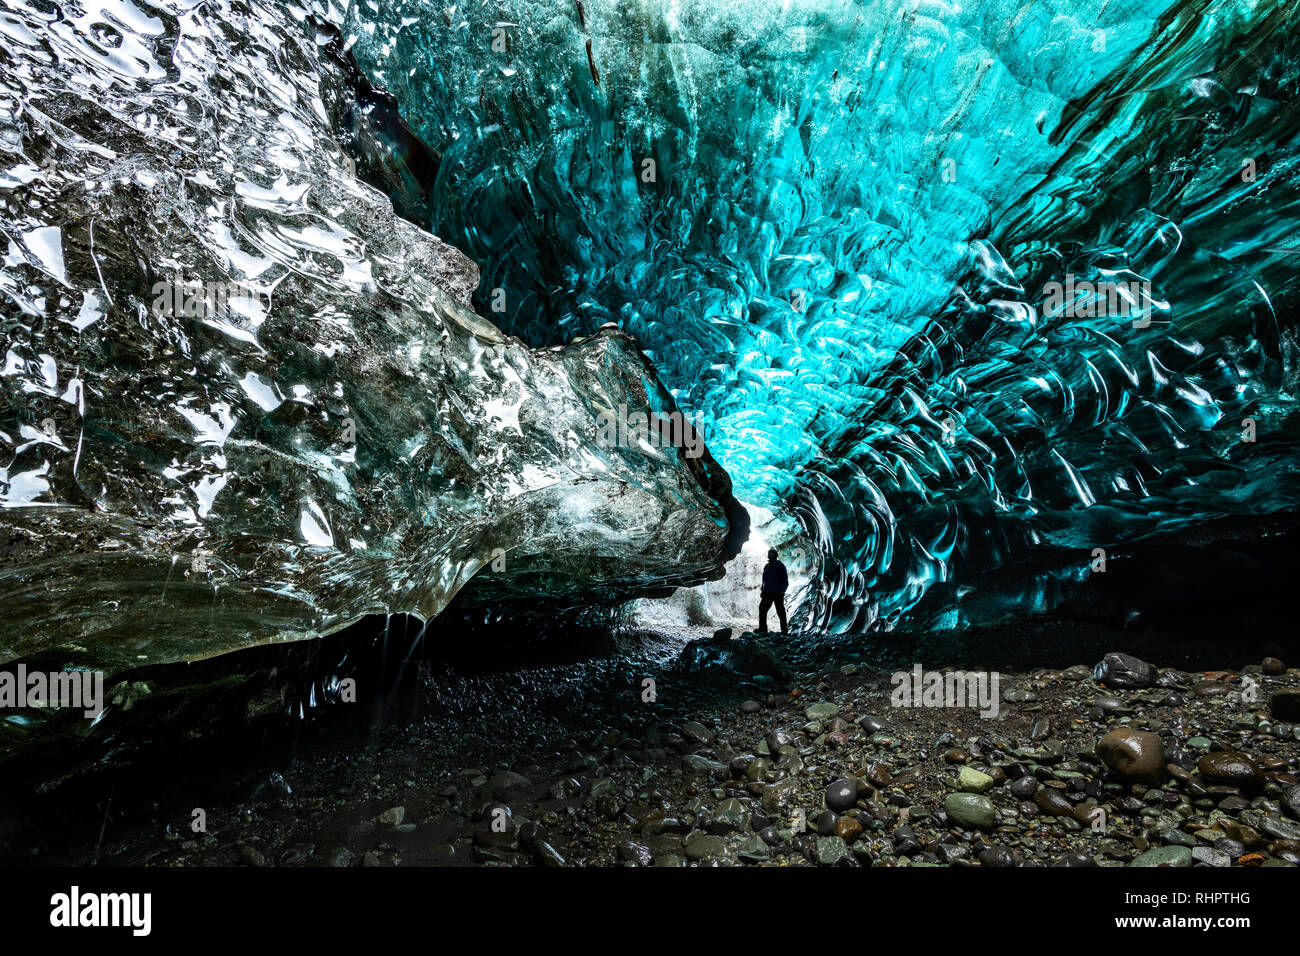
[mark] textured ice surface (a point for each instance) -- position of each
(834, 226)
(332, 433)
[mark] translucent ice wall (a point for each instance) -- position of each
(962, 288)
(243, 401)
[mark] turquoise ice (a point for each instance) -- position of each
(841, 231)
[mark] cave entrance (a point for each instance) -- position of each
(732, 601)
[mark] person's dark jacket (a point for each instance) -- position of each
(774, 578)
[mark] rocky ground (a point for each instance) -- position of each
(1110, 763)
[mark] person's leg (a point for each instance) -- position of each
(780, 611)
(764, 602)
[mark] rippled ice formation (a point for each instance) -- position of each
(333, 432)
(835, 227)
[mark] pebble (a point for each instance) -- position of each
(500, 785)
(842, 794)
(637, 853)
(878, 775)
(832, 851)
(970, 780)
(696, 731)
(694, 763)
(1209, 856)
(392, 817)
(1025, 787)
(848, 829)
(1164, 856)
(753, 849)
(1291, 801)
(1052, 803)
(1232, 769)
(704, 846)
(777, 796)
(1123, 671)
(997, 857)
(1280, 829)
(822, 711)
(1136, 755)
(970, 811)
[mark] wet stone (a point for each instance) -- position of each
(1123, 671)
(832, 851)
(1291, 801)
(1052, 803)
(693, 730)
(1230, 769)
(1279, 828)
(753, 849)
(1231, 848)
(1136, 755)
(949, 853)
(998, 857)
(502, 785)
(391, 817)
(841, 795)
(1176, 856)
(970, 780)
(633, 852)
(970, 811)
(848, 829)
(1025, 787)
(822, 711)
(777, 796)
(694, 763)
(703, 846)
(1209, 856)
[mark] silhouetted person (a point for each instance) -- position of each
(775, 582)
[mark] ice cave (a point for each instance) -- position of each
(377, 371)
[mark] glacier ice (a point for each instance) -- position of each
(974, 293)
(245, 401)
(965, 294)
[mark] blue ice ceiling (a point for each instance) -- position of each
(955, 287)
